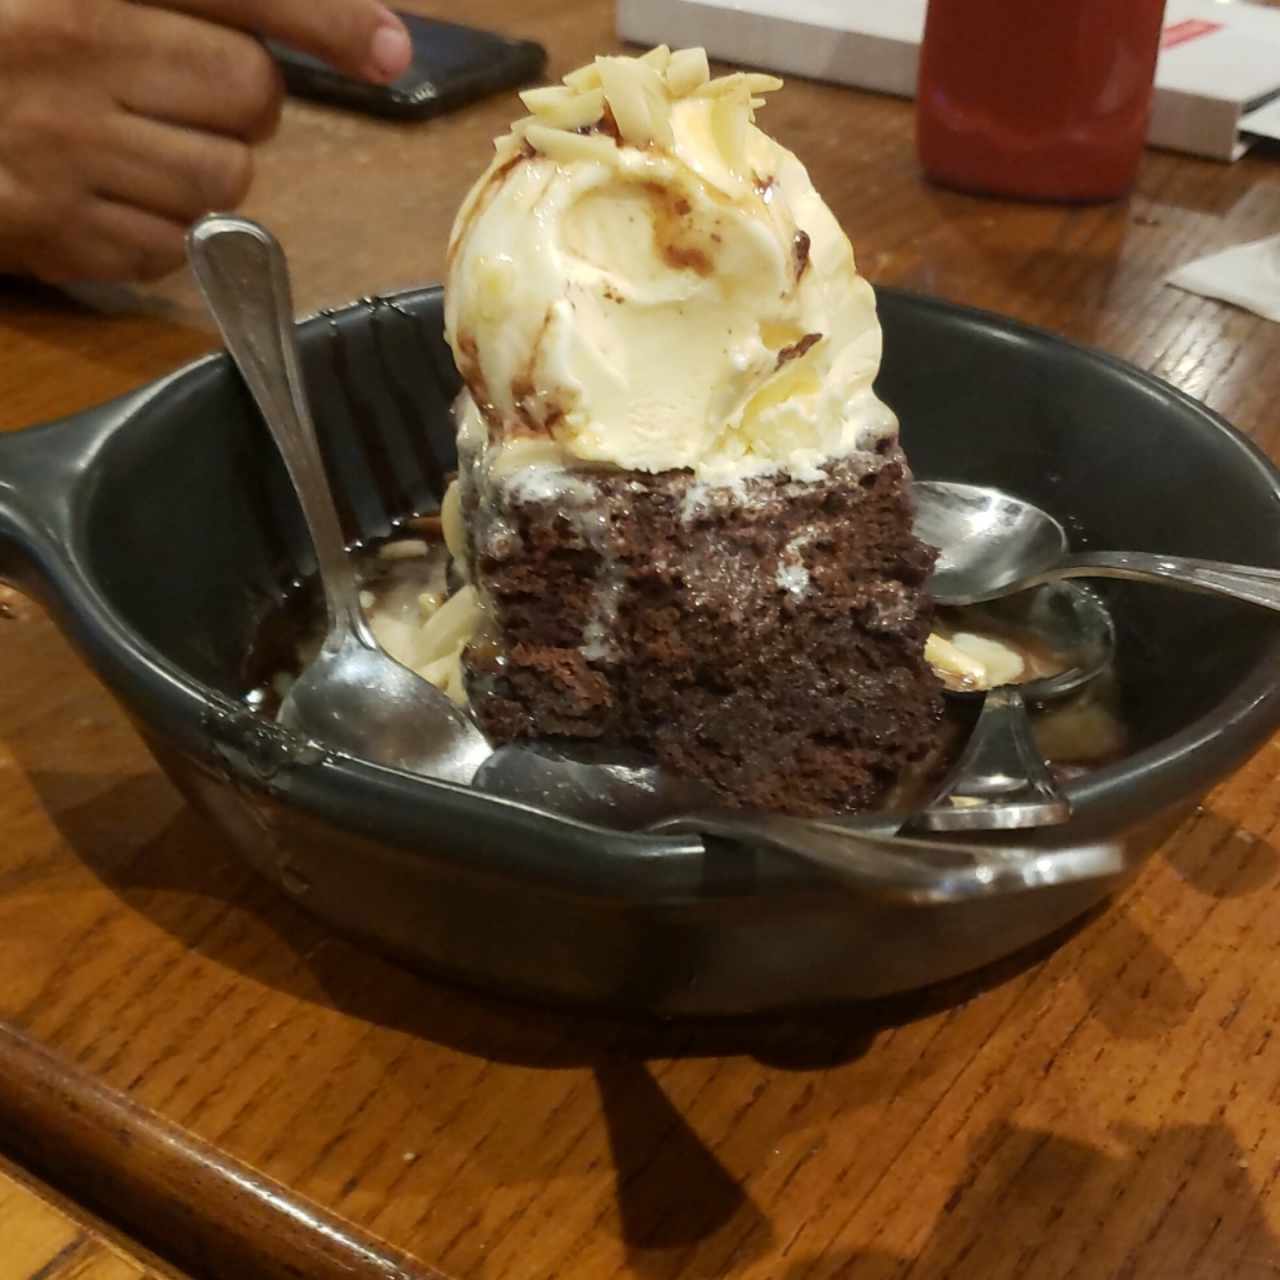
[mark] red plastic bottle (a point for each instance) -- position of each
(1038, 99)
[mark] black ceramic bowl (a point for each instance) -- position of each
(160, 530)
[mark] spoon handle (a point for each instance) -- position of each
(905, 871)
(1001, 781)
(1211, 577)
(241, 271)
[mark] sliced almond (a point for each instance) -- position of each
(506, 146)
(587, 77)
(1003, 663)
(565, 108)
(437, 670)
(624, 92)
(403, 549)
(686, 71)
(659, 110)
(721, 85)
(730, 121)
(454, 623)
(453, 525)
(638, 99)
(446, 674)
(754, 82)
(953, 666)
(547, 95)
(657, 58)
(567, 148)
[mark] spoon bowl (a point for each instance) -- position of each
(996, 545)
(1069, 623)
(616, 787)
(986, 539)
(355, 698)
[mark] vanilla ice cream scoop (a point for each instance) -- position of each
(644, 279)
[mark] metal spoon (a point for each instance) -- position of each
(617, 787)
(628, 789)
(913, 871)
(994, 545)
(353, 696)
(1001, 781)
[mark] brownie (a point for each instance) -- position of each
(766, 639)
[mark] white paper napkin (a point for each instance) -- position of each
(1247, 275)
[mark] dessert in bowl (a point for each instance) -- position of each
(683, 514)
(161, 531)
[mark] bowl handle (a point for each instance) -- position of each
(41, 470)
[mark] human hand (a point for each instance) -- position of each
(122, 121)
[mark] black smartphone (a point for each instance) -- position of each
(451, 65)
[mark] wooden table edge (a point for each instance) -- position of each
(179, 1197)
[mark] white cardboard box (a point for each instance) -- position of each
(1219, 65)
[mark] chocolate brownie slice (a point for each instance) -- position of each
(766, 638)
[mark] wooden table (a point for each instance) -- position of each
(185, 1051)
(42, 1237)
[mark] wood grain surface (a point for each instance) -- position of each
(167, 1186)
(44, 1237)
(1103, 1107)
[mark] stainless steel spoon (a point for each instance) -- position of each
(627, 789)
(994, 545)
(898, 870)
(353, 697)
(1001, 781)
(620, 787)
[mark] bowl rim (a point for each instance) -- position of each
(1255, 701)
(562, 854)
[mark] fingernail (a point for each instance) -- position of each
(390, 50)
